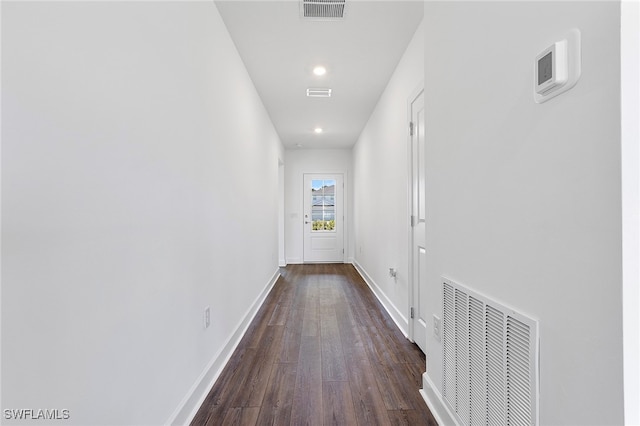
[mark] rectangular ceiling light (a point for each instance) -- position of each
(322, 9)
(319, 93)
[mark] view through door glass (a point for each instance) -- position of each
(323, 208)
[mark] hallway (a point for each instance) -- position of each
(321, 350)
(153, 164)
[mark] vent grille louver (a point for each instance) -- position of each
(477, 359)
(495, 366)
(448, 344)
(518, 380)
(490, 360)
(323, 9)
(318, 93)
(462, 352)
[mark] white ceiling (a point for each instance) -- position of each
(360, 51)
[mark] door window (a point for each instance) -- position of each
(323, 209)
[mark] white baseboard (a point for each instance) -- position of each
(294, 261)
(396, 315)
(190, 404)
(436, 404)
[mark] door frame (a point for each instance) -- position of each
(282, 252)
(345, 211)
(412, 285)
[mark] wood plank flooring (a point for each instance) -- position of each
(321, 351)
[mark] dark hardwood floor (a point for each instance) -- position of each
(321, 351)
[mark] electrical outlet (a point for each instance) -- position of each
(436, 327)
(207, 317)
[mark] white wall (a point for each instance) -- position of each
(526, 197)
(298, 162)
(137, 158)
(630, 109)
(381, 179)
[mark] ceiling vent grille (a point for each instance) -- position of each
(319, 93)
(322, 9)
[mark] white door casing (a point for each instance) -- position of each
(323, 218)
(418, 255)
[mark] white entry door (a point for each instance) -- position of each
(418, 216)
(323, 218)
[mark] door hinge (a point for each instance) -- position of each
(412, 219)
(412, 312)
(411, 128)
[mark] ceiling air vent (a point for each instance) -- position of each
(319, 93)
(322, 9)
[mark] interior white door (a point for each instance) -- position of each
(418, 217)
(323, 218)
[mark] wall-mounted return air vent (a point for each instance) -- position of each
(490, 360)
(322, 9)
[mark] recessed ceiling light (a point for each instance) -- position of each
(318, 130)
(319, 70)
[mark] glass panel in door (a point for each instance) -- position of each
(323, 209)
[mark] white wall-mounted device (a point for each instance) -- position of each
(551, 69)
(557, 68)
